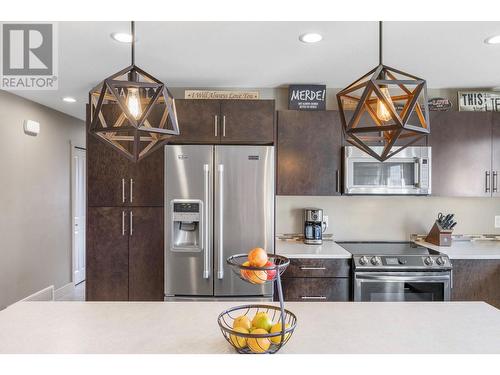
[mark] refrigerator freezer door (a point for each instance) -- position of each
(244, 212)
(188, 197)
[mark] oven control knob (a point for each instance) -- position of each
(375, 261)
(441, 261)
(428, 261)
(363, 261)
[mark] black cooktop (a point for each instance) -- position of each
(386, 248)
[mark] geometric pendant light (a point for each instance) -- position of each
(132, 111)
(385, 107)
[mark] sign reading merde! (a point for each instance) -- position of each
(307, 97)
(479, 101)
(28, 56)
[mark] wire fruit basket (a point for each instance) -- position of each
(247, 343)
(276, 324)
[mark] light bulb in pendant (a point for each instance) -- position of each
(133, 103)
(383, 112)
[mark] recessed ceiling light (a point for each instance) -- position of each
(493, 40)
(122, 37)
(69, 99)
(310, 38)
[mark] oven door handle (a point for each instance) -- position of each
(402, 278)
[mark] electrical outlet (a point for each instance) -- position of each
(497, 221)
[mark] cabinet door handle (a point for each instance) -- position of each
(123, 190)
(313, 297)
(215, 125)
(123, 223)
(487, 182)
(337, 181)
(313, 268)
(131, 223)
(224, 125)
(131, 190)
(495, 181)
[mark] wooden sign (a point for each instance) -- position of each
(479, 101)
(439, 104)
(221, 94)
(307, 97)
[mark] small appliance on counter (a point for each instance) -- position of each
(314, 226)
(440, 233)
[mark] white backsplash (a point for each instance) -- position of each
(392, 218)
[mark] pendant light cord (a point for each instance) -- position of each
(132, 31)
(380, 42)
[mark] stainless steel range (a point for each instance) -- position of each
(399, 271)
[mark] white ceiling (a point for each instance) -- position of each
(268, 54)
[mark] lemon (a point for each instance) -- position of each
(277, 328)
(238, 341)
(259, 345)
(242, 321)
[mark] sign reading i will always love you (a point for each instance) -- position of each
(479, 101)
(307, 97)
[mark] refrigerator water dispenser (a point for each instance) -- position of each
(186, 225)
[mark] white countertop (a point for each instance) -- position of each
(296, 249)
(191, 327)
(479, 249)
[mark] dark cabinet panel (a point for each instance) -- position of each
(309, 153)
(461, 153)
(318, 268)
(145, 181)
(495, 168)
(198, 121)
(316, 289)
(247, 121)
(106, 255)
(107, 174)
(476, 280)
(146, 254)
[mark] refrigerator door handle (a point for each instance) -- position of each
(206, 242)
(220, 272)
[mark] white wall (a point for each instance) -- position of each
(35, 198)
(390, 218)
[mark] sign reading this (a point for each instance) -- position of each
(215, 94)
(307, 97)
(479, 101)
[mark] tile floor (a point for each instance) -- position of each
(78, 294)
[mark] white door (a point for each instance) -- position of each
(79, 206)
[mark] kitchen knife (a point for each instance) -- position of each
(448, 220)
(452, 225)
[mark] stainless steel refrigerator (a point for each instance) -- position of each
(219, 201)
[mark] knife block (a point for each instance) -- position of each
(439, 236)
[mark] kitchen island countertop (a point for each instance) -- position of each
(298, 249)
(191, 327)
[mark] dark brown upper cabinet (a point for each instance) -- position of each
(225, 122)
(309, 153)
(495, 160)
(113, 180)
(461, 153)
(247, 121)
(198, 121)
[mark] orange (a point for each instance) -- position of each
(258, 345)
(257, 257)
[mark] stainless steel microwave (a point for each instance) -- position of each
(406, 173)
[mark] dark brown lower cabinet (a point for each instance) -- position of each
(146, 255)
(476, 280)
(311, 280)
(124, 254)
(106, 255)
(316, 289)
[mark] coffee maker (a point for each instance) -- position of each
(314, 226)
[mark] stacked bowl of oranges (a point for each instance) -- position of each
(258, 328)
